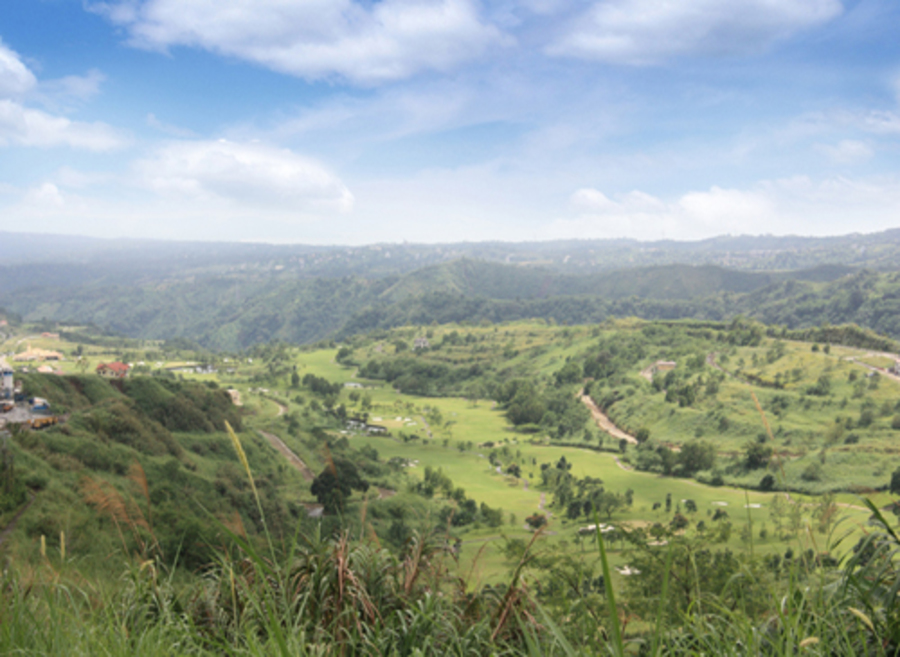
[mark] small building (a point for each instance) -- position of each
(663, 366)
(113, 370)
(50, 336)
(360, 424)
(40, 404)
(37, 354)
(421, 343)
(7, 386)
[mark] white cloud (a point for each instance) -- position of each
(22, 126)
(252, 174)
(44, 198)
(69, 88)
(15, 78)
(797, 205)
(363, 42)
(650, 31)
(74, 178)
(847, 151)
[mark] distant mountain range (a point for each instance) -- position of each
(150, 258)
(231, 296)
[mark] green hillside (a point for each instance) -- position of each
(144, 508)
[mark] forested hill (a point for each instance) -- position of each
(234, 310)
(475, 278)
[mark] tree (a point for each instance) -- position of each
(642, 435)
(536, 521)
(514, 470)
(697, 455)
(608, 503)
(679, 522)
(570, 373)
(895, 482)
(767, 483)
(336, 483)
(756, 455)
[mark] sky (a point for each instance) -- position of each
(364, 121)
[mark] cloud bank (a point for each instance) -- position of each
(252, 174)
(798, 205)
(642, 32)
(366, 43)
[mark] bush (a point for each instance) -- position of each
(812, 472)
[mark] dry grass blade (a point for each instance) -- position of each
(515, 592)
(106, 499)
(242, 457)
(137, 475)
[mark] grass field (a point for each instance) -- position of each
(436, 427)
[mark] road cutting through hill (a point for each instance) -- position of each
(602, 420)
(294, 460)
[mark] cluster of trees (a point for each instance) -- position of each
(465, 511)
(694, 456)
(578, 498)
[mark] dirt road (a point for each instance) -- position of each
(294, 460)
(880, 370)
(603, 420)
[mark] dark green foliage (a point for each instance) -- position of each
(536, 520)
(895, 482)
(756, 455)
(321, 386)
(336, 483)
(696, 455)
(571, 372)
(821, 388)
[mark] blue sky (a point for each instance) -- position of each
(359, 121)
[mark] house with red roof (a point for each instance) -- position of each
(113, 370)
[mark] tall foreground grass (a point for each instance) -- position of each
(346, 595)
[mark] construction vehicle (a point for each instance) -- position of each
(42, 422)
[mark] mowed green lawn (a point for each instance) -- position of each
(463, 421)
(472, 471)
